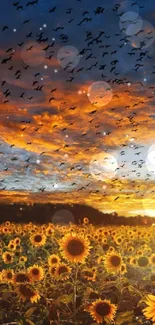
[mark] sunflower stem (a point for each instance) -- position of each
(75, 288)
(12, 323)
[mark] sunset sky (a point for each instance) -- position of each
(77, 98)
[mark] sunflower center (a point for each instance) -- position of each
(53, 270)
(115, 260)
(88, 273)
(26, 291)
(35, 271)
(143, 261)
(38, 238)
(75, 247)
(62, 269)
(105, 247)
(54, 260)
(9, 275)
(103, 308)
(22, 278)
(93, 295)
(153, 259)
(8, 256)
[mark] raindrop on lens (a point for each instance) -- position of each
(100, 93)
(68, 57)
(33, 57)
(63, 217)
(103, 166)
(130, 23)
(145, 37)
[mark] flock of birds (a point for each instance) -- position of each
(100, 55)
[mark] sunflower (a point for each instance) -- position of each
(95, 237)
(111, 249)
(43, 227)
(118, 240)
(100, 259)
(7, 275)
(22, 259)
(140, 252)
(89, 274)
(149, 311)
(100, 240)
(106, 232)
(12, 246)
(133, 261)
(7, 223)
(123, 269)
(88, 236)
(112, 262)
(74, 248)
(21, 277)
(85, 220)
(52, 270)
(49, 231)
(27, 292)
(18, 230)
(5, 230)
(143, 261)
(90, 295)
(7, 257)
(53, 259)
(38, 239)
(130, 249)
(104, 240)
(128, 259)
(149, 250)
(63, 271)
(102, 311)
(17, 241)
(152, 259)
(36, 273)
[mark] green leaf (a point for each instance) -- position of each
(30, 311)
(29, 322)
(7, 290)
(124, 317)
(65, 299)
(20, 322)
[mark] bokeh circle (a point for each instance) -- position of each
(145, 37)
(33, 54)
(150, 159)
(130, 23)
(100, 93)
(63, 217)
(68, 57)
(103, 166)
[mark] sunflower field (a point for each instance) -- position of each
(76, 274)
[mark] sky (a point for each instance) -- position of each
(77, 97)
